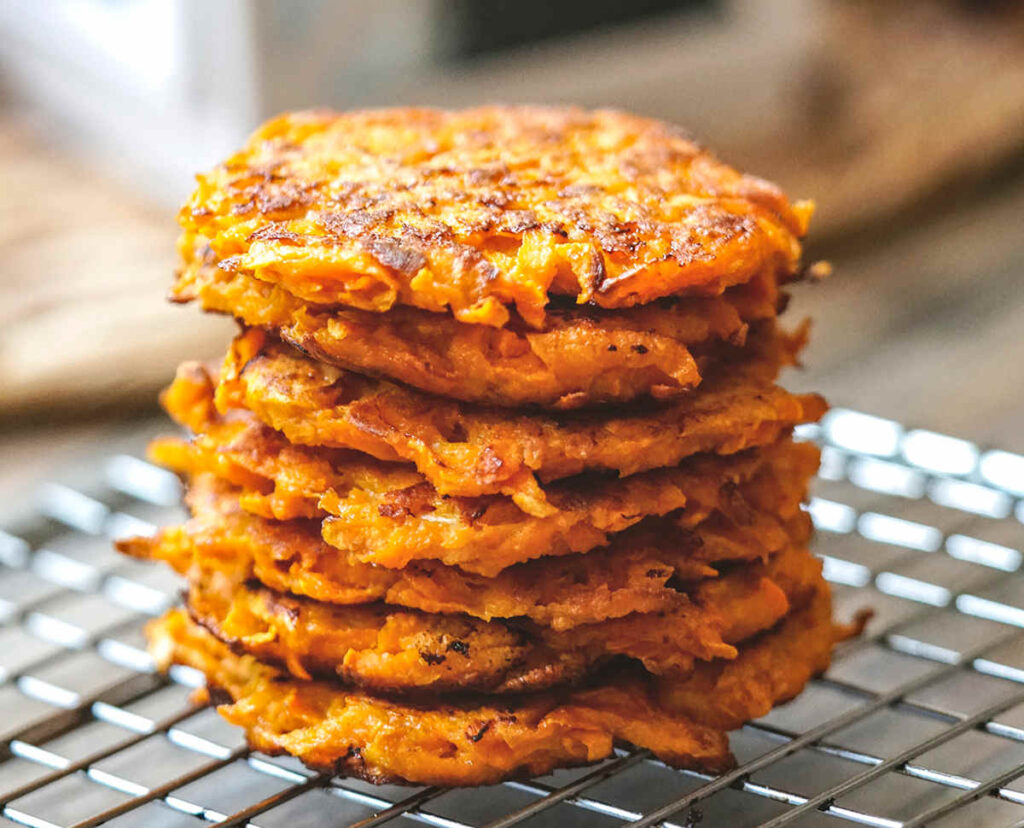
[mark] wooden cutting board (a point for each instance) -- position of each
(84, 268)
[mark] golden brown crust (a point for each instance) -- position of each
(468, 451)
(718, 614)
(639, 572)
(374, 509)
(471, 742)
(477, 210)
(288, 557)
(388, 515)
(635, 573)
(389, 650)
(775, 668)
(378, 647)
(461, 589)
(475, 742)
(579, 357)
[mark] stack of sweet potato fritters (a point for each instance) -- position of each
(496, 473)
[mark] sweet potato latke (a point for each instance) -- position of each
(389, 649)
(374, 509)
(775, 668)
(471, 742)
(474, 742)
(638, 572)
(577, 357)
(389, 515)
(496, 474)
(479, 210)
(468, 451)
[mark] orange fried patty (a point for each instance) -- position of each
(488, 209)
(579, 356)
(473, 741)
(388, 514)
(639, 572)
(496, 475)
(390, 649)
(468, 451)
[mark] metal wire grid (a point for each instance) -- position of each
(918, 722)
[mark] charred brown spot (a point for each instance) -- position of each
(284, 197)
(275, 232)
(594, 273)
(409, 502)
(433, 659)
(486, 175)
(405, 260)
(220, 696)
(354, 223)
(518, 221)
(475, 732)
(494, 198)
(460, 647)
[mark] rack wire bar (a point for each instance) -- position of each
(920, 721)
(572, 789)
(92, 758)
(816, 734)
(970, 796)
(403, 806)
(242, 817)
(900, 760)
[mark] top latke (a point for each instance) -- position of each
(479, 210)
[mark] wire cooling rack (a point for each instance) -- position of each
(918, 722)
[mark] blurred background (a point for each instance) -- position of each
(904, 121)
